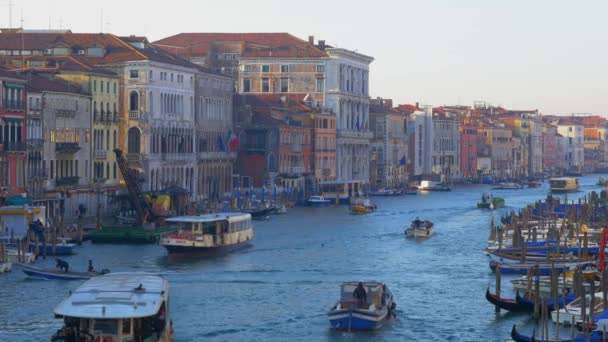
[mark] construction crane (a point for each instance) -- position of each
(144, 212)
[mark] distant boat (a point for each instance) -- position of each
(432, 186)
(525, 303)
(52, 274)
(347, 314)
(411, 190)
(508, 186)
(420, 229)
(490, 202)
(543, 268)
(602, 181)
(564, 184)
(534, 183)
(318, 201)
(385, 192)
(362, 206)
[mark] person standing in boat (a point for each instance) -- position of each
(417, 222)
(91, 268)
(360, 295)
(62, 265)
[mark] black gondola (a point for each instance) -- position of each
(512, 305)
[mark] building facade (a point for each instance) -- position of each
(347, 95)
(573, 142)
(446, 148)
(13, 132)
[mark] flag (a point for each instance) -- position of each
(233, 141)
(402, 160)
(358, 125)
(220, 144)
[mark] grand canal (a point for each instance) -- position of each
(281, 287)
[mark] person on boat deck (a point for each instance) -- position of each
(417, 221)
(62, 265)
(91, 268)
(360, 295)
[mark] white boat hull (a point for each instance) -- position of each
(419, 233)
(5, 267)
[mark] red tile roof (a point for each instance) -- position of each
(407, 108)
(252, 44)
(39, 83)
(293, 103)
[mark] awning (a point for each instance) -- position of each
(19, 200)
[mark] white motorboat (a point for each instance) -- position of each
(117, 307)
(318, 201)
(573, 311)
(420, 229)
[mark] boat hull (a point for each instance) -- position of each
(498, 203)
(361, 210)
(543, 269)
(37, 273)
(176, 250)
(318, 204)
(63, 249)
(517, 337)
(357, 319)
(419, 233)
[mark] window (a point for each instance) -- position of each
(94, 85)
(246, 85)
(320, 68)
(265, 68)
(320, 85)
(150, 77)
(284, 85)
(284, 68)
(108, 87)
(114, 87)
(171, 77)
(134, 74)
(247, 68)
(101, 84)
(265, 85)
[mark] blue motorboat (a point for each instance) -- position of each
(61, 248)
(594, 336)
(369, 313)
(318, 201)
(543, 268)
(53, 274)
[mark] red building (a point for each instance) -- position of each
(468, 149)
(12, 134)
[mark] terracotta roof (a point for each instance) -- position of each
(117, 49)
(408, 108)
(6, 73)
(39, 83)
(65, 63)
(293, 103)
(278, 44)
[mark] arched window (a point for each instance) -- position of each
(151, 103)
(134, 101)
(114, 87)
(134, 138)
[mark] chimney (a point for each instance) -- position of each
(322, 44)
(311, 40)
(417, 105)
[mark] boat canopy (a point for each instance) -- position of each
(230, 217)
(371, 288)
(116, 295)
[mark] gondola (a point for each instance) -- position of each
(524, 304)
(511, 305)
(595, 336)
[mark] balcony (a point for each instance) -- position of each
(216, 155)
(37, 174)
(176, 157)
(326, 172)
(134, 115)
(13, 147)
(66, 148)
(67, 181)
(65, 112)
(101, 154)
(135, 157)
(34, 143)
(296, 148)
(297, 170)
(347, 133)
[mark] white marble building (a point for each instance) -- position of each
(573, 145)
(347, 95)
(421, 127)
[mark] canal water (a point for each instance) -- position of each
(281, 288)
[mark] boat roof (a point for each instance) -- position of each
(562, 178)
(116, 295)
(231, 217)
(371, 283)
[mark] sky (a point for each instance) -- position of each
(549, 55)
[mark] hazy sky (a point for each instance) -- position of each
(522, 54)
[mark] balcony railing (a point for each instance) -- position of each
(297, 169)
(216, 155)
(65, 112)
(67, 181)
(296, 148)
(134, 115)
(67, 147)
(35, 142)
(37, 174)
(326, 172)
(354, 133)
(13, 147)
(101, 154)
(135, 158)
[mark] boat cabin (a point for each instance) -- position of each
(117, 307)
(211, 230)
(317, 198)
(373, 289)
(341, 191)
(564, 184)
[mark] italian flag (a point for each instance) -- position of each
(233, 141)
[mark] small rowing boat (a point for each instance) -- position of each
(50, 274)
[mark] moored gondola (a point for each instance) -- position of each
(595, 336)
(511, 305)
